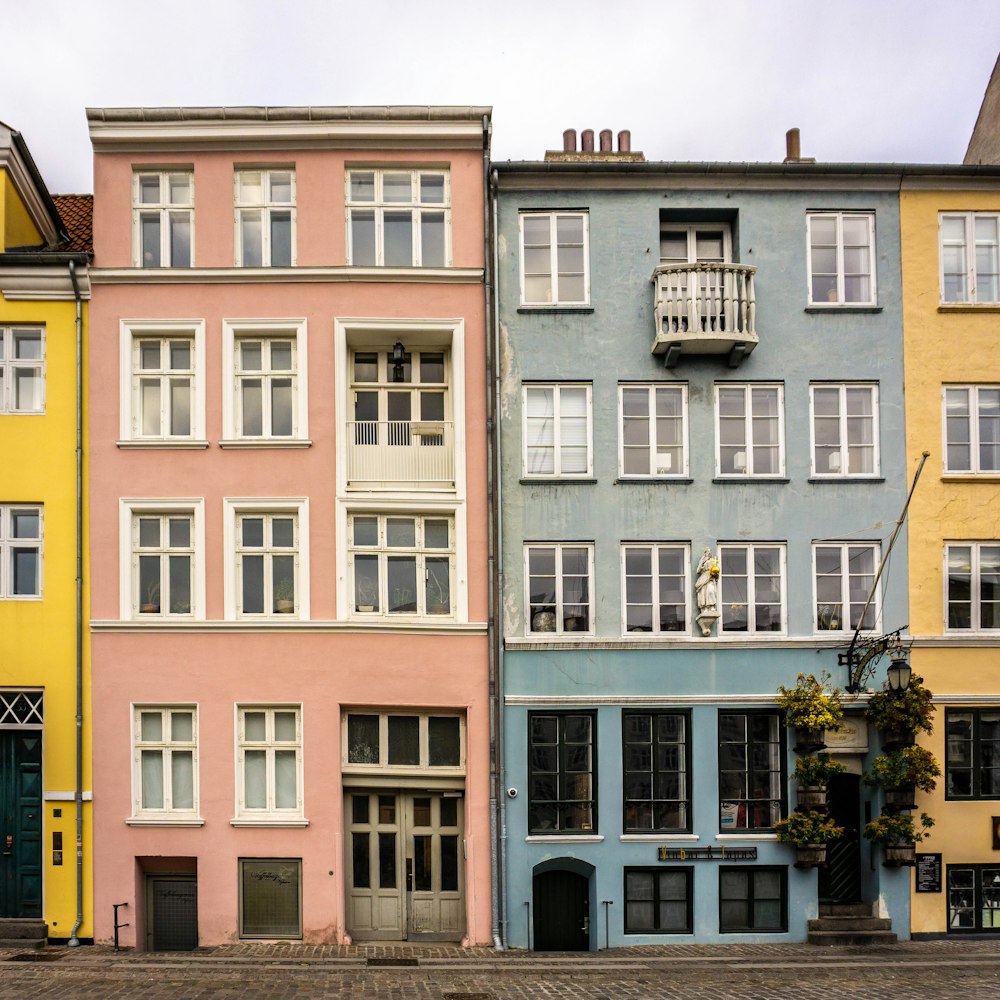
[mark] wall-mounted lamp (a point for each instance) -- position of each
(898, 672)
(398, 358)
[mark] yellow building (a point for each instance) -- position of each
(44, 679)
(950, 231)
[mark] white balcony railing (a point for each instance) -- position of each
(704, 309)
(391, 453)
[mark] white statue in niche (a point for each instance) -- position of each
(706, 586)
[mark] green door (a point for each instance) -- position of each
(20, 823)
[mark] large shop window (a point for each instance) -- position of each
(751, 770)
(657, 772)
(753, 899)
(270, 898)
(658, 901)
(561, 797)
(974, 898)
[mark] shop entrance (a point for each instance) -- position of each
(20, 823)
(171, 912)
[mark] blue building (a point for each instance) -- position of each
(698, 364)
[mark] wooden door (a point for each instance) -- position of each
(20, 823)
(561, 911)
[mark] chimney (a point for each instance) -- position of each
(587, 140)
(606, 140)
(585, 152)
(569, 140)
(793, 148)
(625, 141)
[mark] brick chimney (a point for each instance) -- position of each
(586, 153)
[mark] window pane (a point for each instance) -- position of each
(285, 727)
(281, 239)
(255, 726)
(180, 239)
(251, 237)
(149, 402)
(149, 226)
(253, 532)
(182, 779)
(149, 189)
(150, 727)
(180, 407)
(285, 792)
(444, 741)
(362, 238)
(397, 187)
(404, 739)
(181, 726)
(362, 185)
(253, 585)
(180, 585)
(252, 407)
(149, 584)
(255, 779)
(362, 739)
(281, 407)
(432, 239)
(432, 189)
(398, 235)
(152, 779)
(27, 389)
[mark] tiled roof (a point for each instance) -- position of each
(77, 213)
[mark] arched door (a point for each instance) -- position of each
(561, 909)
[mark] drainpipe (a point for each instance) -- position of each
(74, 941)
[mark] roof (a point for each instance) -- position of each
(984, 144)
(77, 214)
(307, 113)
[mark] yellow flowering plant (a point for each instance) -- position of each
(805, 828)
(809, 705)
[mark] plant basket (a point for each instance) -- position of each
(896, 739)
(900, 855)
(901, 798)
(813, 797)
(810, 856)
(809, 740)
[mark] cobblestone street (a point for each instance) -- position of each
(924, 969)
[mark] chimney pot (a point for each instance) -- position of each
(793, 150)
(587, 140)
(624, 141)
(569, 140)
(606, 140)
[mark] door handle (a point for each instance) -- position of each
(8, 844)
(586, 925)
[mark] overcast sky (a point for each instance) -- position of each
(865, 80)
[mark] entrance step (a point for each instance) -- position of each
(850, 924)
(18, 933)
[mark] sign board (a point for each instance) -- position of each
(928, 873)
(721, 853)
(852, 737)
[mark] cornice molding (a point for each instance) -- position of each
(284, 275)
(284, 628)
(41, 282)
(24, 183)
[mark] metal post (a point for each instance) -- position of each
(118, 925)
(607, 903)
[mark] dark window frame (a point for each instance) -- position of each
(284, 935)
(687, 871)
(749, 770)
(562, 803)
(685, 800)
(752, 871)
(978, 892)
(976, 766)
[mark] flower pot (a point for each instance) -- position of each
(284, 607)
(150, 609)
(900, 855)
(901, 798)
(809, 740)
(813, 797)
(543, 621)
(366, 607)
(810, 855)
(896, 739)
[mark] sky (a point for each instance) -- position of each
(864, 80)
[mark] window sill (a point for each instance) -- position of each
(846, 479)
(549, 637)
(971, 477)
(579, 308)
(763, 835)
(837, 307)
(265, 443)
(969, 307)
(652, 480)
(265, 821)
(758, 480)
(186, 444)
(657, 838)
(164, 821)
(556, 480)
(564, 838)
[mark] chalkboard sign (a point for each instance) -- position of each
(928, 873)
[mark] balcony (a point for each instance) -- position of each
(400, 454)
(704, 309)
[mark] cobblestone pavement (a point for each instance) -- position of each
(946, 969)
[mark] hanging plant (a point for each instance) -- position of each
(909, 767)
(895, 828)
(809, 705)
(805, 828)
(816, 771)
(902, 712)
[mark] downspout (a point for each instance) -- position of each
(74, 941)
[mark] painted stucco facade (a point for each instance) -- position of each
(274, 684)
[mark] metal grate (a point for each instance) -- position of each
(20, 708)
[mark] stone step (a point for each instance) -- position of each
(845, 909)
(851, 924)
(851, 937)
(12, 928)
(22, 944)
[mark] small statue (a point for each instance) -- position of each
(707, 588)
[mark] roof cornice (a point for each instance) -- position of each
(16, 158)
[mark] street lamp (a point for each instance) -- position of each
(898, 673)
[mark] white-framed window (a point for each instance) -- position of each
(398, 218)
(163, 218)
(402, 564)
(381, 739)
(844, 429)
(970, 257)
(655, 588)
(558, 591)
(700, 243)
(20, 551)
(555, 258)
(752, 586)
(972, 598)
(165, 762)
(265, 217)
(972, 429)
(267, 548)
(557, 431)
(22, 369)
(844, 573)
(653, 431)
(841, 258)
(749, 429)
(265, 395)
(390, 397)
(269, 762)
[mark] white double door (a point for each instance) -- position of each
(405, 869)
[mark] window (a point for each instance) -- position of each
(845, 575)
(841, 258)
(270, 898)
(559, 592)
(557, 430)
(163, 218)
(845, 430)
(399, 218)
(751, 770)
(265, 218)
(267, 547)
(653, 430)
(655, 588)
(750, 434)
(658, 901)
(383, 739)
(561, 796)
(657, 772)
(163, 547)
(700, 244)
(974, 898)
(269, 762)
(22, 370)
(972, 753)
(554, 255)
(165, 762)
(753, 899)
(20, 551)
(973, 585)
(972, 429)
(753, 588)
(970, 260)
(402, 564)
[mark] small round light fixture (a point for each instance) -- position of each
(898, 673)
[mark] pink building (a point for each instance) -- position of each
(287, 433)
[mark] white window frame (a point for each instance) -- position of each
(557, 298)
(748, 389)
(270, 815)
(845, 627)
(560, 631)
(654, 549)
(972, 390)
(233, 509)
(129, 510)
(841, 301)
(416, 207)
(557, 388)
(168, 815)
(164, 207)
(9, 363)
(424, 767)
(844, 424)
(750, 549)
(653, 388)
(691, 231)
(8, 543)
(265, 205)
(975, 585)
(233, 331)
(131, 332)
(969, 246)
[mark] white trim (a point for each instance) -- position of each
(556, 388)
(558, 609)
(262, 822)
(751, 595)
(8, 542)
(654, 838)
(317, 626)
(264, 207)
(250, 275)
(584, 838)
(845, 605)
(842, 417)
(969, 220)
(535, 641)
(656, 634)
(66, 796)
(748, 389)
(165, 821)
(9, 362)
(975, 587)
(972, 390)
(165, 816)
(269, 816)
(170, 444)
(652, 388)
(552, 215)
(164, 208)
(838, 217)
(650, 701)
(740, 837)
